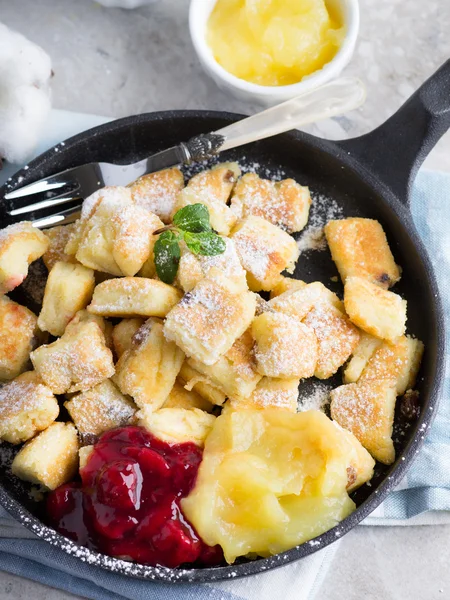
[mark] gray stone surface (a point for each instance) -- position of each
(17, 588)
(116, 62)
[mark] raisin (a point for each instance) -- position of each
(229, 176)
(88, 439)
(187, 298)
(410, 405)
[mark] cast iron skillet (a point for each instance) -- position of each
(368, 176)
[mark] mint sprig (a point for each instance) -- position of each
(207, 243)
(167, 256)
(192, 225)
(193, 218)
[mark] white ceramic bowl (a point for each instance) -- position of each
(198, 18)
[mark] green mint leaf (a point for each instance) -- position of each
(193, 218)
(207, 243)
(167, 256)
(192, 242)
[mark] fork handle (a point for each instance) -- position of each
(337, 97)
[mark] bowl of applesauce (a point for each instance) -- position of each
(272, 50)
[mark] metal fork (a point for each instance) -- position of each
(56, 200)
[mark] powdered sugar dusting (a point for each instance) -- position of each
(250, 166)
(134, 226)
(318, 399)
(211, 187)
(313, 238)
(76, 361)
(242, 357)
(283, 395)
(18, 397)
(228, 262)
(115, 196)
(209, 319)
(264, 249)
(127, 296)
(12, 230)
(284, 204)
(158, 192)
(323, 209)
(100, 409)
(254, 258)
(336, 335)
(359, 407)
(246, 165)
(288, 353)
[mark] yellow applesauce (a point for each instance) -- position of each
(271, 479)
(274, 42)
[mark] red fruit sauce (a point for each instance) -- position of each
(128, 502)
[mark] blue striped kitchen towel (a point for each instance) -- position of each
(423, 497)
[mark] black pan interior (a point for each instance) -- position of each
(331, 174)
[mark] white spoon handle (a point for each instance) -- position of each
(332, 99)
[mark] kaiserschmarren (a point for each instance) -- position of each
(157, 390)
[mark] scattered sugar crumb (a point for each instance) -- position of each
(249, 166)
(313, 238)
(276, 173)
(323, 209)
(317, 399)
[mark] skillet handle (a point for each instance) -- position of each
(395, 150)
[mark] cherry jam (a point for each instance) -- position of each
(128, 502)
